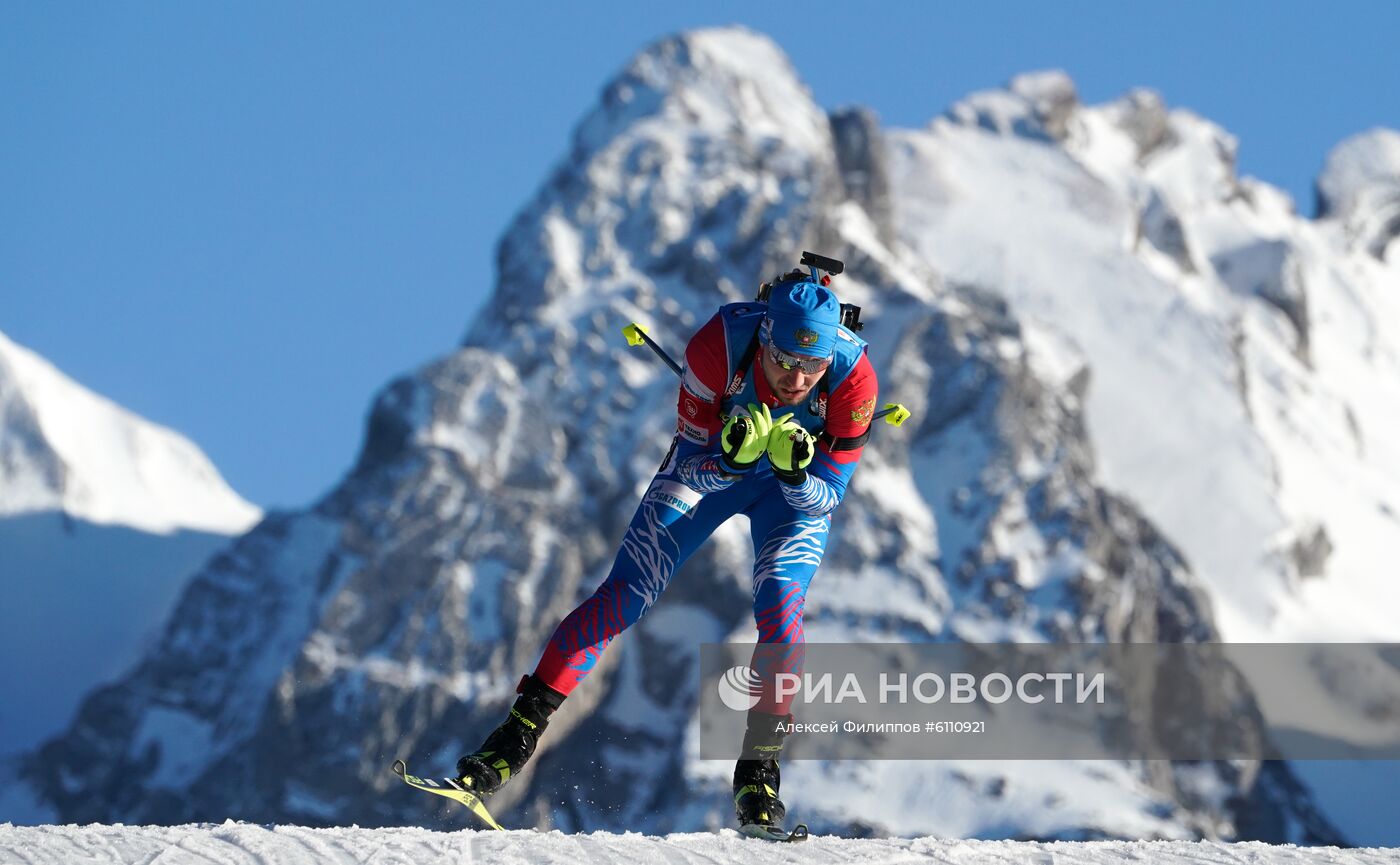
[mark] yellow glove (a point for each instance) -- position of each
(745, 436)
(790, 450)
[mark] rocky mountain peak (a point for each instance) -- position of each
(731, 79)
(704, 161)
(860, 158)
(1035, 105)
(1360, 188)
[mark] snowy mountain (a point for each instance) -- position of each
(1245, 360)
(103, 516)
(69, 450)
(1048, 488)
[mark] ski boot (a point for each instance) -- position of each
(756, 774)
(508, 748)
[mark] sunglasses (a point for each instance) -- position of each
(811, 366)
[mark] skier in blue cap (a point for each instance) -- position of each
(791, 357)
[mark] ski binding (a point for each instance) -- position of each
(774, 833)
(450, 788)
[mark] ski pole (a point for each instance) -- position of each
(637, 335)
(894, 414)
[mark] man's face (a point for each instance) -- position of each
(791, 385)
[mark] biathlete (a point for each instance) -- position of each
(776, 402)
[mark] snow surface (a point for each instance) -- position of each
(64, 448)
(246, 844)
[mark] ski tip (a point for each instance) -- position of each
(400, 768)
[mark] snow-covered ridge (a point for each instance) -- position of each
(64, 448)
(1244, 359)
(244, 844)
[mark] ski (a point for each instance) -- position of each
(451, 789)
(773, 833)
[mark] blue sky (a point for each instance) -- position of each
(241, 220)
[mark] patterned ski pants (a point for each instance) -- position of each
(668, 526)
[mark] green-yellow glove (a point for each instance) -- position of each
(745, 436)
(790, 450)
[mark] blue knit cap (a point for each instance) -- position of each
(803, 318)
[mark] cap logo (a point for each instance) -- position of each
(806, 338)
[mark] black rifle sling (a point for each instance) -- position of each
(837, 443)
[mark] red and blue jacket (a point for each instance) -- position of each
(723, 373)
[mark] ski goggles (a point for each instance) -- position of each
(809, 366)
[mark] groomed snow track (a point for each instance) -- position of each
(247, 844)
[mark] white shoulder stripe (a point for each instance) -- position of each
(697, 387)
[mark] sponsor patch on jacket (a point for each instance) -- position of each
(699, 435)
(864, 412)
(675, 496)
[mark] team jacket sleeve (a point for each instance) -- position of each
(698, 423)
(849, 413)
